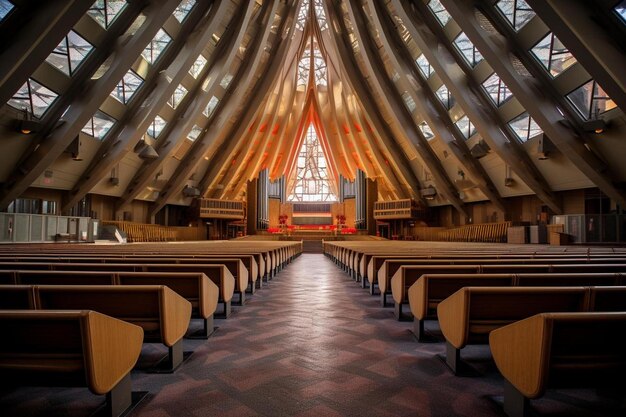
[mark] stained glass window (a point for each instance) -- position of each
(312, 178)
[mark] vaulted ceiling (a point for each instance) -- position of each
(478, 99)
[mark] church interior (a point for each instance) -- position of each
(313, 208)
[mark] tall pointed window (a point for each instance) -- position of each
(312, 178)
(319, 66)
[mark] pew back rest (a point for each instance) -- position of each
(471, 313)
(407, 275)
(567, 279)
(608, 299)
(67, 348)
(65, 277)
(16, 297)
(218, 273)
(195, 287)
(428, 291)
(163, 314)
(561, 350)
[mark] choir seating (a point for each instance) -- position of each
(559, 350)
(71, 348)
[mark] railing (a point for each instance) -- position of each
(485, 232)
(397, 209)
(141, 232)
(221, 209)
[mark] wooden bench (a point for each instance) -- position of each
(71, 348)
(17, 297)
(555, 350)
(430, 289)
(471, 313)
(218, 273)
(408, 275)
(161, 313)
(195, 287)
(390, 266)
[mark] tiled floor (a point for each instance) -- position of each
(311, 343)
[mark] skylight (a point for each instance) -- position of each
(69, 54)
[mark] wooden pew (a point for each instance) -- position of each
(408, 275)
(471, 313)
(195, 287)
(17, 297)
(71, 348)
(554, 350)
(218, 273)
(430, 289)
(161, 313)
(390, 265)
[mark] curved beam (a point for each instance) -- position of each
(431, 108)
(397, 110)
(85, 104)
(427, 34)
(159, 86)
(226, 110)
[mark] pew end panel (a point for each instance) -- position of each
(559, 350)
(71, 348)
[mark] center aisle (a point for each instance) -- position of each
(313, 343)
